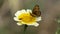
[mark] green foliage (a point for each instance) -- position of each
(1, 2)
(58, 31)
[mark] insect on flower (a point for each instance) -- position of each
(28, 17)
(36, 11)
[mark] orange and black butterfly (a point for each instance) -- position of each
(36, 11)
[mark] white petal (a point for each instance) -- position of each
(19, 24)
(17, 13)
(38, 18)
(22, 22)
(34, 24)
(23, 11)
(16, 19)
(29, 11)
(20, 12)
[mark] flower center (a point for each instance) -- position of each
(26, 18)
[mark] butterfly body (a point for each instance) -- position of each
(36, 11)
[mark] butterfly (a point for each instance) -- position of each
(36, 11)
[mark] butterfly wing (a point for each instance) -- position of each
(36, 11)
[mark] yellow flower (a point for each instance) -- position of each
(24, 17)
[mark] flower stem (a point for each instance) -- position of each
(25, 27)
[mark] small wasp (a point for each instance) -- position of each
(36, 11)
